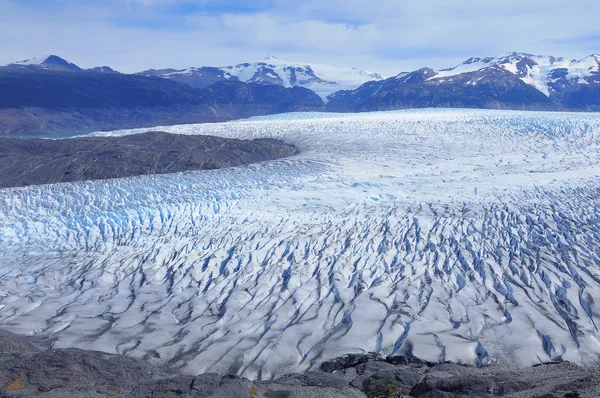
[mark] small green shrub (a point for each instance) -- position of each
(573, 394)
(385, 388)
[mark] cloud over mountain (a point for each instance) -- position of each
(389, 38)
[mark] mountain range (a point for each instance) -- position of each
(54, 63)
(512, 81)
(50, 95)
(322, 79)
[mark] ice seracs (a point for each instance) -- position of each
(469, 236)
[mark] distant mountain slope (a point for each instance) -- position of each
(53, 63)
(512, 81)
(200, 77)
(320, 78)
(47, 101)
(102, 69)
(50, 89)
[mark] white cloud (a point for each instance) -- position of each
(386, 36)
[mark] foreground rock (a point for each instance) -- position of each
(38, 161)
(27, 370)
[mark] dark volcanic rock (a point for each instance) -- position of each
(348, 361)
(76, 370)
(10, 342)
(26, 370)
(408, 376)
(40, 161)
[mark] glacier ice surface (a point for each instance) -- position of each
(462, 235)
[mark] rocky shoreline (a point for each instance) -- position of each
(27, 370)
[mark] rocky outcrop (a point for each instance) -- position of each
(41, 161)
(27, 370)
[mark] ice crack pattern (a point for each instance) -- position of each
(470, 236)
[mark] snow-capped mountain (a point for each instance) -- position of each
(541, 72)
(322, 79)
(511, 81)
(49, 62)
(54, 63)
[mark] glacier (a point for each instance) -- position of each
(451, 235)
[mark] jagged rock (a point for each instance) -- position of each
(384, 388)
(468, 386)
(316, 379)
(10, 342)
(408, 376)
(348, 361)
(72, 371)
(409, 361)
(285, 391)
(553, 380)
(69, 373)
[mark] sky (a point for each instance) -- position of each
(384, 36)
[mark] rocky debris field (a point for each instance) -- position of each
(27, 370)
(41, 161)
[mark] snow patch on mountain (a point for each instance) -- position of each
(321, 78)
(33, 61)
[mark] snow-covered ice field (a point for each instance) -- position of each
(463, 235)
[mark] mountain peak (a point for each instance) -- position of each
(51, 61)
(593, 56)
(271, 57)
(102, 69)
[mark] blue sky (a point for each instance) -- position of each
(386, 36)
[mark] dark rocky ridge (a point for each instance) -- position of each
(41, 161)
(196, 77)
(50, 102)
(495, 89)
(27, 370)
